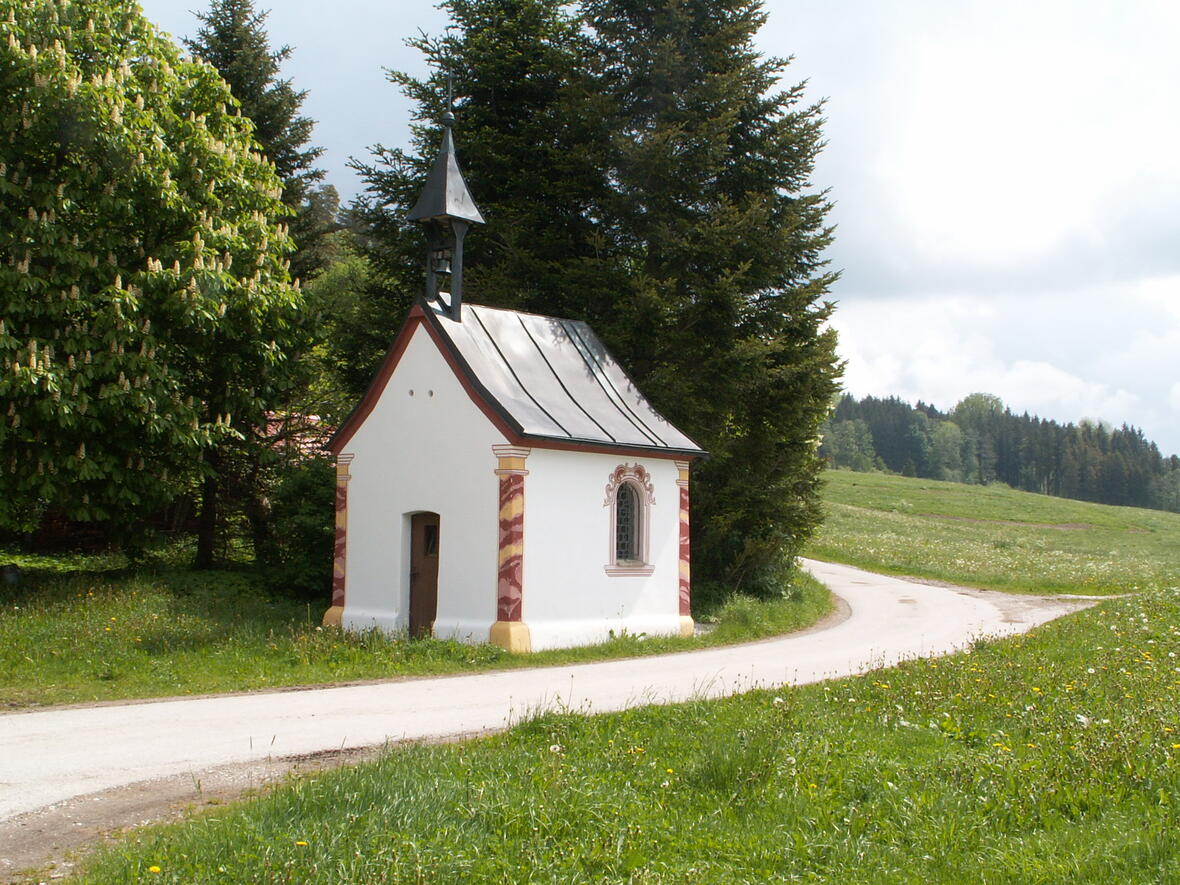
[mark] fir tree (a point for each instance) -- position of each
(722, 321)
(233, 38)
(532, 144)
(987, 442)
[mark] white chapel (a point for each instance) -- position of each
(503, 479)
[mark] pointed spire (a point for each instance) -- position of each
(445, 194)
(446, 208)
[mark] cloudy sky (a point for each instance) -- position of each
(1006, 176)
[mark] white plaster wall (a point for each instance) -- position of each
(568, 597)
(429, 452)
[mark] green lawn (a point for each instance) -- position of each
(82, 630)
(1053, 757)
(995, 537)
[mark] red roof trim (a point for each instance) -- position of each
(605, 449)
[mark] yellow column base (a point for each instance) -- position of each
(511, 636)
(687, 626)
(334, 616)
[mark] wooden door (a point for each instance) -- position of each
(423, 573)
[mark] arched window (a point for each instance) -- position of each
(630, 496)
(627, 526)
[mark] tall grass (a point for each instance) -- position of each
(995, 537)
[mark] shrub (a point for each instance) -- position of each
(297, 557)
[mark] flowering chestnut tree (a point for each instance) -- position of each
(145, 305)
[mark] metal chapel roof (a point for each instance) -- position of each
(539, 379)
(553, 379)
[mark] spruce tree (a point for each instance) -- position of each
(532, 144)
(722, 323)
(233, 38)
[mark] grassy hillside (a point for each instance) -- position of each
(1052, 757)
(995, 537)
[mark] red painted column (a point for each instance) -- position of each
(686, 623)
(510, 576)
(509, 631)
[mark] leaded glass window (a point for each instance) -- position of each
(626, 524)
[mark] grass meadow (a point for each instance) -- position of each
(1045, 758)
(85, 629)
(994, 537)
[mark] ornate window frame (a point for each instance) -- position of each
(639, 480)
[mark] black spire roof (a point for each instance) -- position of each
(445, 193)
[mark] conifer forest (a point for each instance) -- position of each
(982, 441)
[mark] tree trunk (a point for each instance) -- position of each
(207, 526)
(258, 513)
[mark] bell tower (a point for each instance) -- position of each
(446, 209)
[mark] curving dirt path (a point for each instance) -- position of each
(70, 776)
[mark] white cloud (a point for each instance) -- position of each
(993, 156)
(1163, 293)
(1064, 357)
(1040, 388)
(994, 140)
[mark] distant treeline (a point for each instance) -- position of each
(982, 441)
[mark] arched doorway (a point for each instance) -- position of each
(424, 537)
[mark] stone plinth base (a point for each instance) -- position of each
(334, 616)
(511, 636)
